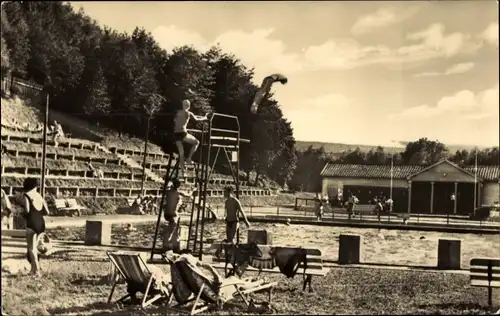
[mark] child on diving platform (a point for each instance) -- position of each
(181, 134)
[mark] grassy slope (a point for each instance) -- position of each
(12, 108)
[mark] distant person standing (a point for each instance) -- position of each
(319, 210)
(58, 133)
(452, 203)
(232, 210)
(379, 208)
(351, 202)
(340, 198)
(181, 134)
(389, 204)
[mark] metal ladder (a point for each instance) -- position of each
(171, 170)
(195, 242)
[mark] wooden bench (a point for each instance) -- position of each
(485, 272)
(314, 264)
(14, 233)
(14, 241)
(68, 207)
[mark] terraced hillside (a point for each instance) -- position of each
(68, 173)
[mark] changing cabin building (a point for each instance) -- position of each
(416, 189)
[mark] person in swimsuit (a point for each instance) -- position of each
(181, 134)
(35, 208)
(319, 210)
(6, 210)
(173, 202)
(232, 210)
(58, 133)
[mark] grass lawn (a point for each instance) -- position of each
(74, 284)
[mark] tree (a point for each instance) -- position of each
(377, 156)
(461, 157)
(284, 164)
(114, 77)
(189, 77)
(353, 157)
(269, 136)
(150, 51)
(97, 102)
(487, 157)
(15, 33)
(307, 173)
(424, 152)
(5, 65)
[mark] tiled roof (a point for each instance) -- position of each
(490, 173)
(369, 171)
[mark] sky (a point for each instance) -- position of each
(358, 72)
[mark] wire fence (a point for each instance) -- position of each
(310, 214)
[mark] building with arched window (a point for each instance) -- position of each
(417, 189)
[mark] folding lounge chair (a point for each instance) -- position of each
(211, 288)
(138, 278)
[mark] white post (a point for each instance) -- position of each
(392, 177)
(475, 183)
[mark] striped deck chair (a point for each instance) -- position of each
(210, 289)
(138, 278)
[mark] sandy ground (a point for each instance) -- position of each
(379, 246)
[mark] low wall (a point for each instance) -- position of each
(464, 229)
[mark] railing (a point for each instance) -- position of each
(341, 215)
(23, 88)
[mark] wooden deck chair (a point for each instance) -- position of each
(211, 294)
(138, 278)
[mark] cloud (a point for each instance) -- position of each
(465, 117)
(381, 18)
(434, 42)
(430, 43)
(255, 48)
(463, 105)
(260, 50)
(456, 69)
(490, 34)
(171, 36)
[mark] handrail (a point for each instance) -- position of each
(242, 140)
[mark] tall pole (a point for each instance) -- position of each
(44, 148)
(475, 183)
(392, 175)
(392, 179)
(145, 155)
